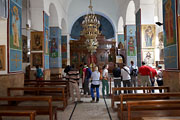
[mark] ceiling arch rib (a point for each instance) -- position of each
(53, 18)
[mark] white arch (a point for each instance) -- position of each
(130, 13)
(121, 25)
(53, 17)
(63, 26)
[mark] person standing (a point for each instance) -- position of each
(86, 76)
(154, 73)
(73, 76)
(117, 77)
(105, 84)
(133, 73)
(95, 84)
(39, 73)
(159, 77)
(126, 78)
(144, 75)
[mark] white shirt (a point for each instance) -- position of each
(95, 77)
(159, 75)
(105, 71)
(125, 74)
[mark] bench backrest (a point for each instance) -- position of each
(166, 88)
(36, 89)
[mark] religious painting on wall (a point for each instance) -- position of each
(25, 49)
(15, 25)
(148, 36)
(37, 41)
(119, 59)
(46, 61)
(83, 58)
(36, 59)
(148, 57)
(15, 35)
(54, 48)
(46, 40)
(74, 58)
(131, 46)
(161, 46)
(138, 36)
(64, 51)
(121, 41)
(2, 58)
(102, 57)
(170, 38)
(169, 20)
(15, 60)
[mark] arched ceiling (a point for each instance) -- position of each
(78, 8)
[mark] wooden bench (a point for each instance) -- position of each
(142, 96)
(115, 98)
(30, 113)
(40, 110)
(58, 94)
(165, 108)
(50, 84)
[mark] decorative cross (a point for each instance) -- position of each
(54, 62)
(16, 60)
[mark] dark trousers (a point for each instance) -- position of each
(127, 83)
(86, 86)
(160, 83)
(152, 83)
(117, 83)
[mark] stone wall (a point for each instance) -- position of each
(172, 79)
(11, 80)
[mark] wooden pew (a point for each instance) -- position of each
(142, 96)
(40, 110)
(50, 84)
(30, 113)
(37, 83)
(165, 108)
(58, 94)
(115, 98)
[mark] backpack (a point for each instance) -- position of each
(133, 72)
(117, 72)
(88, 73)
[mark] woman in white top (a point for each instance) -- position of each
(105, 84)
(126, 78)
(95, 76)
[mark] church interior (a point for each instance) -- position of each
(54, 34)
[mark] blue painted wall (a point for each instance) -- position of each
(106, 28)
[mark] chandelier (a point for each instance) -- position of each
(90, 30)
